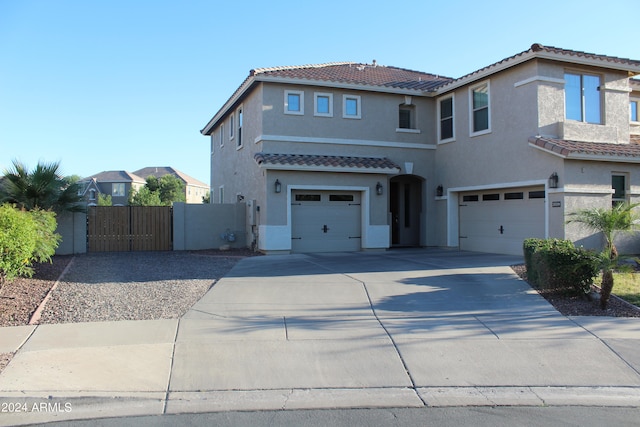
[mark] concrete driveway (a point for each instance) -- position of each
(404, 328)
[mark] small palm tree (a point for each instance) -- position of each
(609, 222)
(43, 188)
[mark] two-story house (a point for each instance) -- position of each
(194, 190)
(348, 156)
(116, 184)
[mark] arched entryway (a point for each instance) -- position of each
(405, 205)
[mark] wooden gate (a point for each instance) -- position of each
(129, 228)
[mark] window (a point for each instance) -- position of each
(445, 113)
(239, 143)
(117, 190)
(221, 134)
(213, 142)
(489, 197)
(351, 107)
(633, 110)
(582, 97)
(619, 186)
(480, 115)
(232, 124)
(406, 116)
(514, 196)
(307, 197)
(92, 194)
(471, 198)
(340, 197)
(537, 194)
(221, 194)
(323, 104)
(294, 102)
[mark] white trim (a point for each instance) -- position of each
(239, 126)
(543, 79)
(584, 190)
(221, 194)
(590, 157)
(358, 100)
(473, 133)
(317, 95)
(300, 94)
(614, 89)
(232, 126)
(340, 141)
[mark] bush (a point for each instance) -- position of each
(25, 237)
(554, 264)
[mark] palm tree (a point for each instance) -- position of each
(609, 222)
(43, 188)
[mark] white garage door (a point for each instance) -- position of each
(498, 221)
(325, 221)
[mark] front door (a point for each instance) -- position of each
(406, 209)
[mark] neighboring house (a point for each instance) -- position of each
(348, 156)
(194, 190)
(116, 184)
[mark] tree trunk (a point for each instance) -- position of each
(606, 288)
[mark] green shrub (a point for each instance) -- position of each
(25, 237)
(556, 264)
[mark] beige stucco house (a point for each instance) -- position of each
(194, 190)
(349, 156)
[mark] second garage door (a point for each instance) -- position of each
(325, 221)
(498, 221)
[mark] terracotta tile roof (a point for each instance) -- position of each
(356, 74)
(538, 50)
(565, 148)
(374, 164)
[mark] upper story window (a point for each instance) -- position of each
(633, 111)
(323, 103)
(213, 142)
(294, 102)
(445, 116)
(351, 107)
(221, 134)
(92, 194)
(479, 101)
(406, 117)
(582, 98)
(117, 189)
(240, 118)
(232, 125)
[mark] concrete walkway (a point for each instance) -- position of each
(403, 328)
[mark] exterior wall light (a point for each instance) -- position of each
(439, 191)
(553, 180)
(277, 186)
(379, 189)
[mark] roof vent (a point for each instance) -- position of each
(375, 63)
(536, 47)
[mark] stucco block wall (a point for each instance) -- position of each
(197, 227)
(72, 226)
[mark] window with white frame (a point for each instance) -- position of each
(92, 194)
(240, 118)
(480, 114)
(213, 142)
(117, 189)
(294, 102)
(351, 107)
(445, 117)
(221, 194)
(582, 97)
(323, 104)
(221, 134)
(633, 110)
(232, 125)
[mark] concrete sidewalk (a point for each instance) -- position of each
(396, 329)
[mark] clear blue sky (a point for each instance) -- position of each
(125, 84)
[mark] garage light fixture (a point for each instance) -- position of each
(277, 186)
(379, 189)
(439, 191)
(553, 180)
